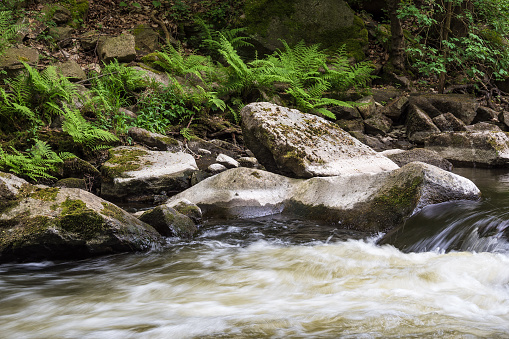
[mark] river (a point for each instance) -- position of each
(446, 275)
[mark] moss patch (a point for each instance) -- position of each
(45, 194)
(22, 229)
(78, 218)
(113, 211)
(123, 160)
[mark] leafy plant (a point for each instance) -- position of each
(8, 30)
(37, 163)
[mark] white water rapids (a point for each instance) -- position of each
(270, 279)
(351, 289)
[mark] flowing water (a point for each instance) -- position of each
(447, 276)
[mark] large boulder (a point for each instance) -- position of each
(486, 149)
(169, 222)
(382, 201)
(240, 193)
(331, 23)
(292, 143)
(137, 174)
(419, 125)
(463, 107)
(368, 201)
(40, 222)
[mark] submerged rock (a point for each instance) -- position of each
(292, 143)
(367, 201)
(40, 223)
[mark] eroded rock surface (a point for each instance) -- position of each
(296, 144)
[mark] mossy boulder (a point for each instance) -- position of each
(71, 70)
(169, 222)
(154, 140)
(330, 23)
(137, 174)
(371, 202)
(292, 143)
(484, 149)
(41, 223)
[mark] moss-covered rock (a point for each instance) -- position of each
(169, 223)
(137, 174)
(39, 222)
(330, 23)
(121, 48)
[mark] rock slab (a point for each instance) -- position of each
(296, 144)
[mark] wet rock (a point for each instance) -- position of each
(121, 48)
(48, 223)
(486, 149)
(169, 223)
(187, 208)
(419, 154)
(289, 142)
(136, 174)
(154, 140)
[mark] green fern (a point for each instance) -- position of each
(38, 163)
(176, 62)
(8, 30)
(83, 132)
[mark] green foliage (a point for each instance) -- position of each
(117, 86)
(83, 132)
(474, 44)
(36, 163)
(176, 62)
(33, 96)
(8, 30)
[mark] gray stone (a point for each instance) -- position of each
(419, 154)
(419, 125)
(150, 75)
(447, 122)
(71, 70)
(377, 124)
(483, 126)
(463, 107)
(136, 174)
(61, 35)
(48, 223)
(486, 114)
(12, 59)
(227, 161)
(367, 107)
(351, 125)
(187, 208)
(394, 109)
(154, 140)
(146, 39)
(249, 162)
(367, 201)
(216, 168)
(345, 112)
(289, 142)
(121, 48)
(485, 149)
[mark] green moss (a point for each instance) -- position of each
(167, 140)
(123, 160)
(78, 218)
(113, 211)
(257, 11)
(45, 194)
(22, 229)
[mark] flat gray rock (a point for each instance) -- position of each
(296, 144)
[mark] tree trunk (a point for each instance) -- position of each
(397, 38)
(444, 35)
